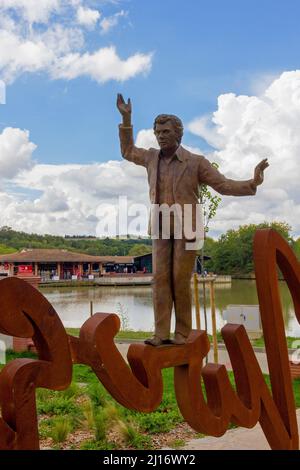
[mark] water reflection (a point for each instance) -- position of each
(73, 304)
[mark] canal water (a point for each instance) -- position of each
(134, 304)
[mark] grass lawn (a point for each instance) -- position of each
(124, 334)
(85, 416)
(134, 335)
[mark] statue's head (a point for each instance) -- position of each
(168, 130)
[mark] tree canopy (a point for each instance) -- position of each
(92, 246)
(233, 252)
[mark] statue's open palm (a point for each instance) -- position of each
(123, 107)
(259, 172)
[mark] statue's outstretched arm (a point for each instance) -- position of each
(211, 176)
(128, 149)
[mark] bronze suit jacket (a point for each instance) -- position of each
(193, 171)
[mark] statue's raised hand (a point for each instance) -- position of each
(259, 172)
(124, 108)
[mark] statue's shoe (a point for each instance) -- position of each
(156, 341)
(179, 339)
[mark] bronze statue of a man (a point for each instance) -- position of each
(175, 176)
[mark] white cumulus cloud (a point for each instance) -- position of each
(34, 11)
(146, 139)
(103, 65)
(87, 16)
(50, 36)
(244, 130)
(110, 22)
(15, 152)
(70, 195)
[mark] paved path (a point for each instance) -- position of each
(223, 357)
(235, 439)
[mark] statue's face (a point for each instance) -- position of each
(166, 136)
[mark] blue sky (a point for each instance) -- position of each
(190, 53)
(201, 49)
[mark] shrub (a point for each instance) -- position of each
(133, 437)
(123, 315)
(57, 405)
(111, 413)
(159, 422)
(71, 392)
(45, 428)
(88, 413)
(61, 428)
(97, 395)
(97, 445)
(100, 424)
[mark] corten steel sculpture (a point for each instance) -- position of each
(26, 313)
(175, 176)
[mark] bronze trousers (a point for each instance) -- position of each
(172, 268)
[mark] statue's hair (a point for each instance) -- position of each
(176, 122)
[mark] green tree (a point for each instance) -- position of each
(92, 246)
(210, 204)
(296, 247)
(4, 250)
(209, 249)
(233, 252)
(138, 250)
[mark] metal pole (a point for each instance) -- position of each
(91, 308)
(205, 314)
(213, 320)
(204, 305)
(197, 303)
